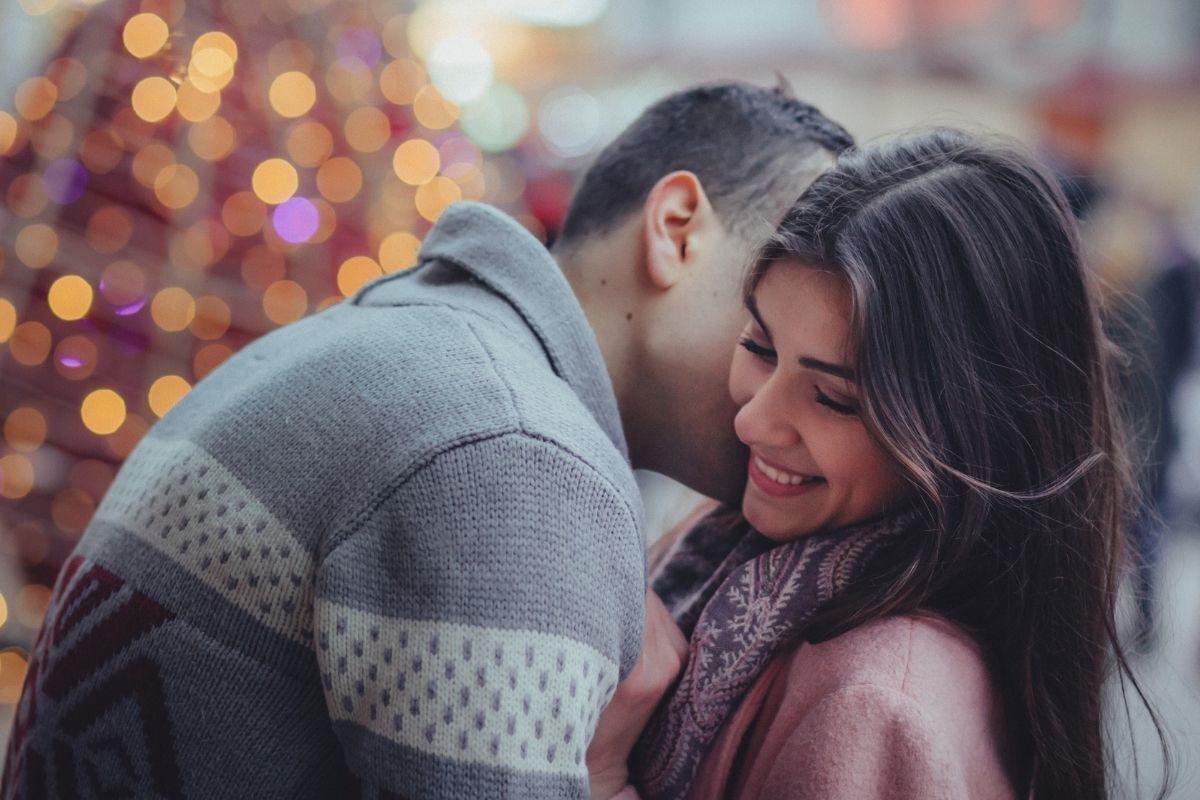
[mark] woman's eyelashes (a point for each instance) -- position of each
(759, 351)
(845, 409)
(764, 353)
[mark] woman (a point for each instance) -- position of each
(918, 601)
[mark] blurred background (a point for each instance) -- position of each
(178, 177)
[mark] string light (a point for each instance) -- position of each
(275, 180)
(416, 162)
(103, 411)
(182, 187)
(166, 392)
(355, 272)
(292, 94)
(153, 98)
(70, 297)
(145, 34)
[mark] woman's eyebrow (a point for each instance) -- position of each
(838, 370)
(824, 366)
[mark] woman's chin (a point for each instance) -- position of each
(771, 523)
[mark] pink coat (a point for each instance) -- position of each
(901, 707)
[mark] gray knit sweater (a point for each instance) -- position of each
(394, 548)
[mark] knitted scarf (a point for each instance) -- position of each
(741, 599)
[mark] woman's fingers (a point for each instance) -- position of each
(664, 651)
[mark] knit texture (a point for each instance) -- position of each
(393, 549)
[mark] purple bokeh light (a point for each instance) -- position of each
(296, 220)
(66, 180)
(360, 44)
(132, 308)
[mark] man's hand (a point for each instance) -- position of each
(664, 651)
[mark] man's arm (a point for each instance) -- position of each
(470, 630)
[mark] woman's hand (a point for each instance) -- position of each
(664, 651)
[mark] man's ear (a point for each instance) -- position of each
(676, 214)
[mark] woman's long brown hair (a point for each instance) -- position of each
(984, 371)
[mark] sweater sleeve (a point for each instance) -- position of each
(864, 742)
(471, 630)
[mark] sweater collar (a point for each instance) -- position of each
(498, 252)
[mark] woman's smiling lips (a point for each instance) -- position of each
(777, 482)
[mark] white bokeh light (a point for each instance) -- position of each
(461, 68)
(569, 121)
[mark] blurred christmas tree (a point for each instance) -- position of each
(183, 177)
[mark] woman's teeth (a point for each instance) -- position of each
(781, 477)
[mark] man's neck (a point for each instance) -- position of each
(601, 280)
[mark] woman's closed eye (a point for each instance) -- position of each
(845, 408)
(759, 351)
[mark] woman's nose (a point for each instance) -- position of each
(765, 419)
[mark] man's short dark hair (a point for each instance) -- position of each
(747, 144)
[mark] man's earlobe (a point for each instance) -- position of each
(675, 210)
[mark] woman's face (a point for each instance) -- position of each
(813, 465)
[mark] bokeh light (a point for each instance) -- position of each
(212, 318)
(176, 186)
(400, 81)
(27, 196)
(52, 136)
(25, 429)
(173, 309)
(65, 181)
(461, 68)
(434, 111)
(292, 94)
(16, 476)
(151, 159)
(367, 129)
(285, 301)
(216, 40)
(145, 34)
(243, 214)
(434, 197)
(70, 297)
(154, 98)
(109, 229)
(36, 245)
(355, 272)
(209, 358)
(275, 180)
(398, 251)
(166, 392)
(416, 162)
(8, 319)
(101, 151)
(103, 411)
(339, 179)
(30, 343)
(35, 98)
(122, 441)
(71, 510)
(213, 139)
(295, 220)
(123, 283)
(196, 105)
(497, 120)
(8, 131)
(569, 120)
(211, 68)
(309, 143)
(76, 357)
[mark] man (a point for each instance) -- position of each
(397, 546)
